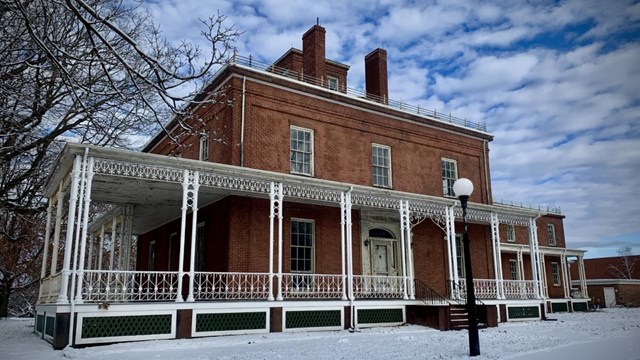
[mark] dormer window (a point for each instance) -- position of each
(332, 83)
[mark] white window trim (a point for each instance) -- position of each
(172, 238)
(556, 274)
(455, 163)
(199, 265)
(313, 245)
(517, 272)
(511, 229)
(460, 254)
(311, 165)
(390, 175)
(551, 235)
(329, 78)
(204, 148)
(152, 246)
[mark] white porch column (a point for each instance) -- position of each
(497, 255)
(126, 235)
(403, 225)
(343, 223)
(279, 215)
(349, 249)
(533, 255)
(90, 255)
(114, 225)
(63, 297)
(583, 278)
(85, 225)
(100, 249)
(454, 252)
(447, 241)
(47, 234)
(275, 205)
(409, 241)
(187, 202)
(57, 230)
(565, 282)
(121, 243)
(194, 226)
(45, 254)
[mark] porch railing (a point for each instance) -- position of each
(230, 286)
(378, 287)
(114, 285)
(50, 288)
(311, 286)
(519, 289)
(483, 288)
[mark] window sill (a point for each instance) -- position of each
(301, 174)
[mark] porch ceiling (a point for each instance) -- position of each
(155, 202)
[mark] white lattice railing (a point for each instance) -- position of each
(210, 286)
(482, 288)
(519, 289)
(50, 288)
(311, 286)
(111, 285)
(378, 287)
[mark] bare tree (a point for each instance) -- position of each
(95, 71)
(626, 266)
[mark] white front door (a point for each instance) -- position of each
(383, 257)
(609, 297)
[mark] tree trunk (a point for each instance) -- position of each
(5, 291)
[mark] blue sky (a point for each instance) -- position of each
(557, 82)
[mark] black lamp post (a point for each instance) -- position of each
(463, 189)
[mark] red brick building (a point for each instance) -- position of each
(611, 281)
(299, 203)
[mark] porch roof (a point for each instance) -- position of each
(153, 184)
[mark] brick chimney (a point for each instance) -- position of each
(313, 53)
(375, 73)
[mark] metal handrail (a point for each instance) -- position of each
(427, 294)
(462, 299)
(521, 205)
(356, 93)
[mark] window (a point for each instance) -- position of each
(151, 260)
(460, 256)
(204, 147)
(332, 83)
(172, 240)
(301, 151)
(449, 176)
(381, 164)
(302, 246)
(511, 233)
(555, 273)
(513, 269)
(551, 233)
(200, 241)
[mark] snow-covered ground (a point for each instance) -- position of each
(611, 334)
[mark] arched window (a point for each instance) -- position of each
(381, 233)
